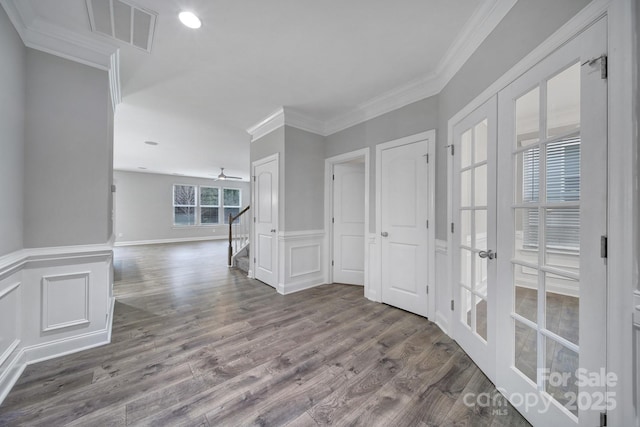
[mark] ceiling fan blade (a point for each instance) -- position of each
(233, 177)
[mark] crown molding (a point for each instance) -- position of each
(114, 80)
(267, 125)
(399, 97)
(478, 27)
(298, 120)
(286, 116)
(475, 31)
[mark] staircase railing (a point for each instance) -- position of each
(238, 233)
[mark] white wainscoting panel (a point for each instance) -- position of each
(304, 260)
(9, 320)
(53, 301)
(301, 260)
(443, 287)
(65, 301)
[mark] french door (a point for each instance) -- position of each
(474, 181)
(551, 299)
(529, 198)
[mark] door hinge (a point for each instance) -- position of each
(603, 65)
(453, 149)
(333, 177)
(603, 246)
(332, 264)
(603, 419)
(254, 219)
(254, 178)
(452, 305)
(427, 223)
(254, 260)
(452, 227)
(333, 220)
(426, 157)
(427, 289)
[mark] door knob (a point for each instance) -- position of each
(273, 230)
(384, 234)
(487, 254)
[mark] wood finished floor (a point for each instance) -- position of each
(196, 343)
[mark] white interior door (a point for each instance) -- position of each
(474, 234)
(552, 213)
(265, 190)
(348, 223)
(403, 225)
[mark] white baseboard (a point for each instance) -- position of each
(51, 350)
(11, 374)
(41, 352)
(162, 241)
(289, 288)
(442, 322)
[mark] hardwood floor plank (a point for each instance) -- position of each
(197, 343)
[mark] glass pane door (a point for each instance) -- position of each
(546, 242)
(474, 233)
(552, 179)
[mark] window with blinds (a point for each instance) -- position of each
(562, 175)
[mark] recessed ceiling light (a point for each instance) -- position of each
(190, 19)
(151, 143)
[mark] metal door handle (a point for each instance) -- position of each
(273, 230)
(384, 234)
(487, 254)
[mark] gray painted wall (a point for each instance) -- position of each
(526, 26)
(67, 153)
(409, 120)
(12, 117)
(144, 207)
(304, 180)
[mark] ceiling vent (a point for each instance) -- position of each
(124, 21)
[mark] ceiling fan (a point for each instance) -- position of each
(222, 176)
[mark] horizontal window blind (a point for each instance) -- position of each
(562, 225)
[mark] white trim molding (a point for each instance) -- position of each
(57, 307)
(301, 260)
(56, 301)
(173, 240)
(289, 117)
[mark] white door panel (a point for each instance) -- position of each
(266, 220)
(348, 223)
(403, 210)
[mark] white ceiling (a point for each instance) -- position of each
(198, 91)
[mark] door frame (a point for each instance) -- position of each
(376, 289)
(329, 165)
(252, 263)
